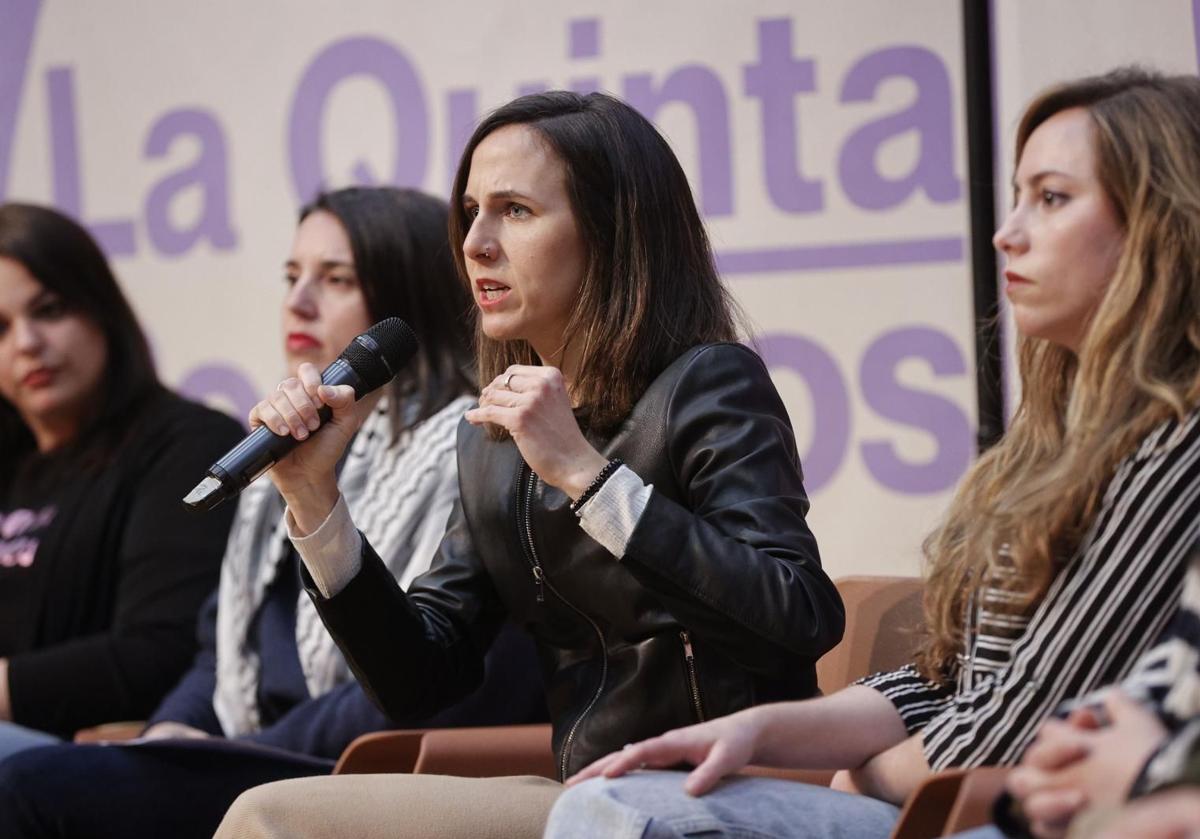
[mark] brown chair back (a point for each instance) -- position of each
(924, 814)
(110, 732)
(487, 752)
(883, 615)
(976, 795)
(381, 751)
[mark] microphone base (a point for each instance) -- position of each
(207, 494)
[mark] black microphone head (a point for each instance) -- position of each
(379, 353)
(396, 341)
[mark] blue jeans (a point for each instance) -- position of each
(17, 738)
(653, 805)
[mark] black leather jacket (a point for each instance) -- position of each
(719, 602)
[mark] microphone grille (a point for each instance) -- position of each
(396, 340)
(388, 345)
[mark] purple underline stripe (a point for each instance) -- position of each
(1196, 27)
(859, 255)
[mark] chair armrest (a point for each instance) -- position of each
(978, 792)
(487, 752)
(381, 751)
(925, 813)
(110, 732)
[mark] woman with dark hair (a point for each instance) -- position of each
(269, 695)
(1063, 554)
(397, 238)
(101, 570)
(630, 489)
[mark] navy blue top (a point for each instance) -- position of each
(511, 692)
(281, 683)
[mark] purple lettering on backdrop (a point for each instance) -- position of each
(583, 85)
(1195, 28)
(526, 88)
(583, 41)
(830, 402)
(930, 116)
(700, 89)
(222, 381)
(776, 79)
(16, 41)
(209, 173)
(463, 109)
(942, 419)
(822, 257)
(583, 37)
(115, 237)
(362, 56)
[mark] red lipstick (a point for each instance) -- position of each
(301, 341)
(39, 378)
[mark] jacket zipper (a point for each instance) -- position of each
(542, 583)
(539, 576)
(689, 659)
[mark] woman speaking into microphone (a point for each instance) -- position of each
(630, 489)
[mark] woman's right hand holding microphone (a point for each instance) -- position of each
(306, 477)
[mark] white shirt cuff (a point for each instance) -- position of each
(333, 552)
(611, 515)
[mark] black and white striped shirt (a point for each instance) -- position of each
(1110, 602)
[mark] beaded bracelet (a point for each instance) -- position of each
(597, 482)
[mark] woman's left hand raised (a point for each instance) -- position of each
(532, 403)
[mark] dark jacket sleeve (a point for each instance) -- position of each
(191, 700)
(734, 558)
(168, 563)
(416, 653)
(511, 693)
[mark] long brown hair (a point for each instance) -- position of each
(1038, 491)
(650, 289)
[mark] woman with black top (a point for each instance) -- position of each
(269, 696)
(630, 489)
(102, 571)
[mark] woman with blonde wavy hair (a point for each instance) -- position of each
(1063, 552)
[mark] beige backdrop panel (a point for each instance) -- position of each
(824, 142)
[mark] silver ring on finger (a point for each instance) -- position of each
(508, 381)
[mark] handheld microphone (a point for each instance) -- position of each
(369, 361)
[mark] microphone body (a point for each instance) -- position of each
(263, 448)
(366, 364)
